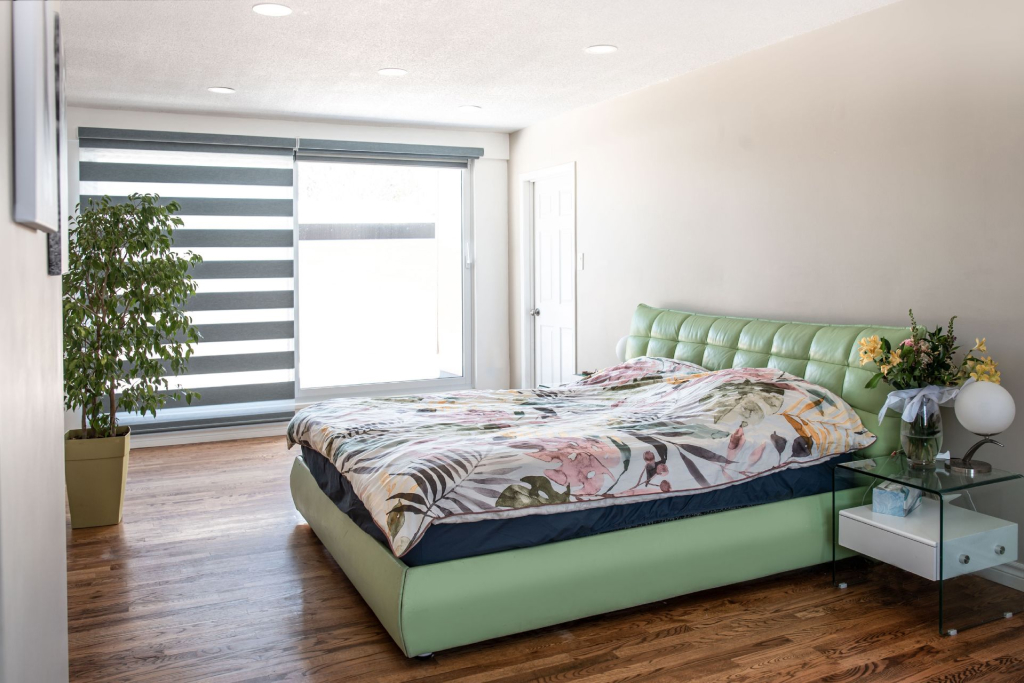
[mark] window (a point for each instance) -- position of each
(382, 295)
(360, 287)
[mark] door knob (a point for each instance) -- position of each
(535, 312)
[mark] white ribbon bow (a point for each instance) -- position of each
(910, 401)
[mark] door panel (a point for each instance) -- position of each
(554, 226)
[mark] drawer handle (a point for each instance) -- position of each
(965, 559)
(1000, 550)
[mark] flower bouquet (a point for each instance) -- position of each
(924, 374)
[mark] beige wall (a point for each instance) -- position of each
(33, 578)
(841, 176)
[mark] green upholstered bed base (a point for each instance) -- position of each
(440, 606)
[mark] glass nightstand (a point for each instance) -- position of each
(942, 538)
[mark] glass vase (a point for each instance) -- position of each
(922, 437)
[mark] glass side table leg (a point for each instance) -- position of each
(942, 570)
(835, 529)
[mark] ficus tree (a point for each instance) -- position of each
(125, 326)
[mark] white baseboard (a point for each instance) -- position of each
(206, 435)
(1010, 574)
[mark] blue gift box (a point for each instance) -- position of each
(894, 499)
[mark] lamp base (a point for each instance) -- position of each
(967, 464)
(968, 467)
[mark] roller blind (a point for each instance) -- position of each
(237, 206)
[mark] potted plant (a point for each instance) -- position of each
(125, 331)
(924, 374)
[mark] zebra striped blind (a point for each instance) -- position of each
(236, 202)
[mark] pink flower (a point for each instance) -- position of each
(756, 455)
(661, 469)
(665, 486)
(581, 462)
(736, 442)
(584, 473)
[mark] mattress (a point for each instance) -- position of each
(444, 542)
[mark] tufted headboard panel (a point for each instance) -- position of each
(823, 354)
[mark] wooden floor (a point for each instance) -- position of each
(213, 576)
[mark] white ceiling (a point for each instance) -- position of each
(521, 60)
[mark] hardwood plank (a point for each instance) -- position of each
(214, 576)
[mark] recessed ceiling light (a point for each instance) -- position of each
(221, 90)
(272, 9)
(600, 49)
(391, 71)
(470, 108)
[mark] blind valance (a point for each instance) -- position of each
(169, 141)
(386, 153)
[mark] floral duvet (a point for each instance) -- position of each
(647, 428)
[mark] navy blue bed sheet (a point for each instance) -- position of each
(443, 542)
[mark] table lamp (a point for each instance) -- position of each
(986, 409)
(620, 349)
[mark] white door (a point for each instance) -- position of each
(554, 280)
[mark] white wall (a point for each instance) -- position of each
(490, 191)
(491, 347)
(33, 567)
(844, 176)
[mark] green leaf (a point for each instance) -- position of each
(624, 451)
(540, 492)
(123, 296)
(822, 395)
(410, 497)
(396, 520)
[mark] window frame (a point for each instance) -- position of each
(305, 397)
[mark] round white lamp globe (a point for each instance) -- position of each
(620, 349)
(985, 408)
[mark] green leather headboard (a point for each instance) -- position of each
(823, 354)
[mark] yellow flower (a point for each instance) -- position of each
(894, 360)
(979, 344)
(870, 349)
(985, 370)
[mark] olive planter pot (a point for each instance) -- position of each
(95, 472)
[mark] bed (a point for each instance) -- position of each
(431, 593)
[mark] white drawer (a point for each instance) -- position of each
(972, 541)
